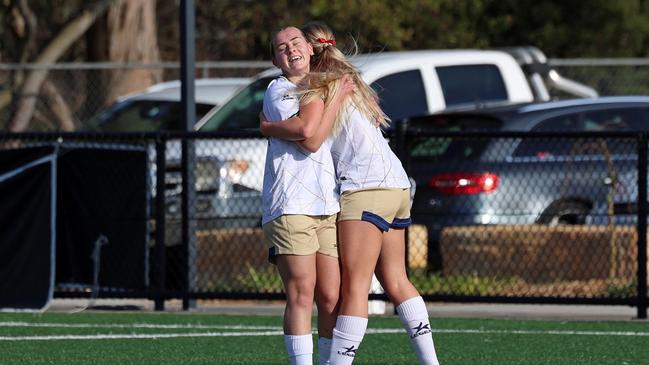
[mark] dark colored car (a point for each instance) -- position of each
(159, 107)
(480, 179)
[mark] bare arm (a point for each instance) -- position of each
(328, 117)
(312, 127)
(297, 128)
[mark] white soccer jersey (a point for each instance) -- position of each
(295, 181)
(362, 156)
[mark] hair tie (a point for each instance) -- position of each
(329, 41)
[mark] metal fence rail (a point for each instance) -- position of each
(488, 248)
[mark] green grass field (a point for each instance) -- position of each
(190, 338)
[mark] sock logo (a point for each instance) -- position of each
(348, 351)
(421, 329)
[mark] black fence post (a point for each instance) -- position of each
(160, 220)
(187, 73)
(642, 227)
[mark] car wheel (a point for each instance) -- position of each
(565, 212)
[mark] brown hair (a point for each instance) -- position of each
(328, 65)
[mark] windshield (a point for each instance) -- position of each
(142, 116)
(240, 112)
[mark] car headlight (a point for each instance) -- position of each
(233, 170)
(214, 175)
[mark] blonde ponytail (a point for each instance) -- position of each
(328, 66)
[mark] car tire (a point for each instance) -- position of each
(565, 212)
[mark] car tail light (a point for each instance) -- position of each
(463, 183)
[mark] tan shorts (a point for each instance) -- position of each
(385, 208)
(295, 234)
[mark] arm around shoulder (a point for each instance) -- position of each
(300, 127)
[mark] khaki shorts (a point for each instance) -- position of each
(295, 234)
(385, 208)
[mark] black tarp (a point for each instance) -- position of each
(27, 230)
(102, 192)
(56, 205)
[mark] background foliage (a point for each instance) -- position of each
(240, 29)
(578, 28)
(127, 32)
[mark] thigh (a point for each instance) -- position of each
(391, 267)
(359, 247)
(391, 262)
(298, 273)
(328, 276)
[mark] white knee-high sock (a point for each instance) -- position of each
(414, 317)
(348, 335)
(324, 350)
(299, 348)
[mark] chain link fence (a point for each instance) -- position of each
(206, 242)
(556, 216)
(518, 245)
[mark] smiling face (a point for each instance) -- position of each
(292, 53)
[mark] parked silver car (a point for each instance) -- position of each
(554, 180)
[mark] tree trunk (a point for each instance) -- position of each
(132, 39)
(51, 53)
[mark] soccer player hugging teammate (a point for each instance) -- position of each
(300, 202)
(374, 201)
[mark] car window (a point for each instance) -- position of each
(617, 120)
(542, 148)
(454, 149)
(241, 111)
(401, 94)
(143, 116)
(467, 84)
(611, 120)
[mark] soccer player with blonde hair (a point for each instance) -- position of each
(300, 202)
(374, 201)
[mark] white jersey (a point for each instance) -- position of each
(362, 156)
(295, 180)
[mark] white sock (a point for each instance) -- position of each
(299, 348)
(348, 335)
(324, 350)
(414, 317)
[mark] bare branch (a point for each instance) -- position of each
(58, 106)
(52, 52)
(31, 23)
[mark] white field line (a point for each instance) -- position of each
(153, 336)
(136, 325)
(269, 331)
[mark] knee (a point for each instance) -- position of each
(397, 288)
(327, 300)
(300, 293)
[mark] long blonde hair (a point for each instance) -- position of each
(328, 66)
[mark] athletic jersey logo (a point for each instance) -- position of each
(348, 351)
(421, 329)
(288, 97)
